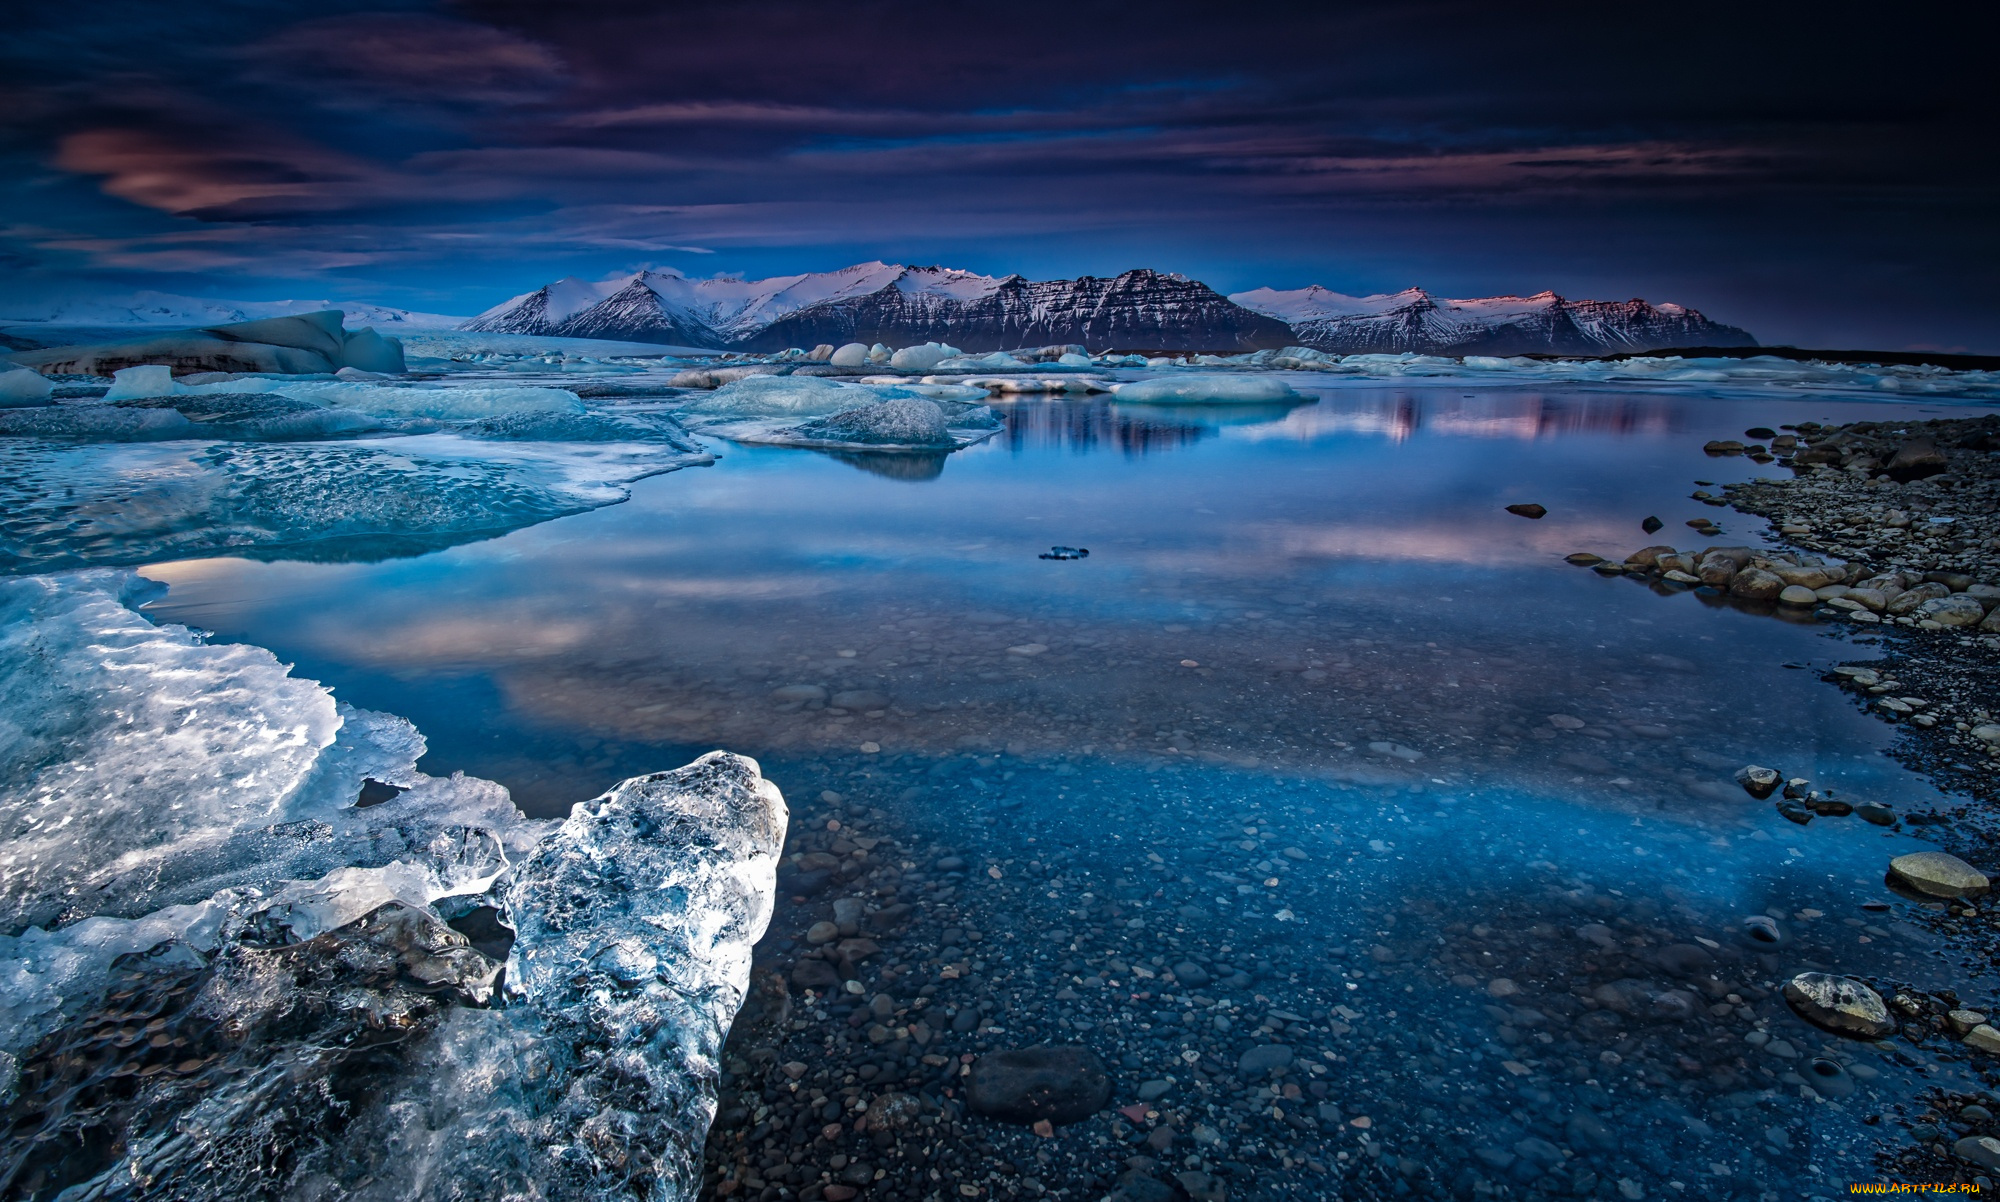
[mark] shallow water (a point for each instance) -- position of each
(1312, 628)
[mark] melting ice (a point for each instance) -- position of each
(223, 976)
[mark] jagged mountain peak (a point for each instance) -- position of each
(1140, 308)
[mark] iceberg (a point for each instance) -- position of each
(903, 426)
(900, 423)
(853, 354)
(321, 981)
(923, 358)
(306, 344)
(23, 387)
(785, 396)
(997, 361)
(1197, 388)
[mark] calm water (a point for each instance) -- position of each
(1313, 628)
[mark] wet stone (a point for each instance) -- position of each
(1757, 781)
(1939, 874)
(1840, 1004)
(1258, 1061)
(1027, 1085)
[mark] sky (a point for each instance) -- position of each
(1823, 175)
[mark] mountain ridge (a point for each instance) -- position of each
(900, 305)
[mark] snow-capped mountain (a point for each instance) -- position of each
(169, 310)
(1414, 320)
(890, 303)
(666, 306)
(1139, 310)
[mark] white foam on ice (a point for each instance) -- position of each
(1201, 388)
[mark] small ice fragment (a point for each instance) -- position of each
(1065, 553)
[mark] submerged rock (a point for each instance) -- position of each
(1028, 1085)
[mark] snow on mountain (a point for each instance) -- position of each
(666, 306)
(1545, 323)
(167, 309)
(1138, 310)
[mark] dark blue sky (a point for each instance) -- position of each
(1822, 174)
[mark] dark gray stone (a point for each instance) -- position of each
(1063, 1084)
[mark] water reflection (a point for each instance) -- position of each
(1036, 424)
(913, 467)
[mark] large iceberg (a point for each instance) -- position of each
(250, 950)
(302, 345)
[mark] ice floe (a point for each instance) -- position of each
(321, 980)
(1207, 389)
(361, 498)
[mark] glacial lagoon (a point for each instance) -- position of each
(1377, 850)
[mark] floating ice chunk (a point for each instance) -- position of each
(1072, 359)
(152, 379)
(922, 358)
(716, 377)
(1207, 389)
(910, 423)
(997, 361)
(23, 387)
(784, 396)
(853, 354)
(372, 498)
(878, 353)
(1037, 383)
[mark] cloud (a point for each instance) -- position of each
(408, 58)
(184, 171)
